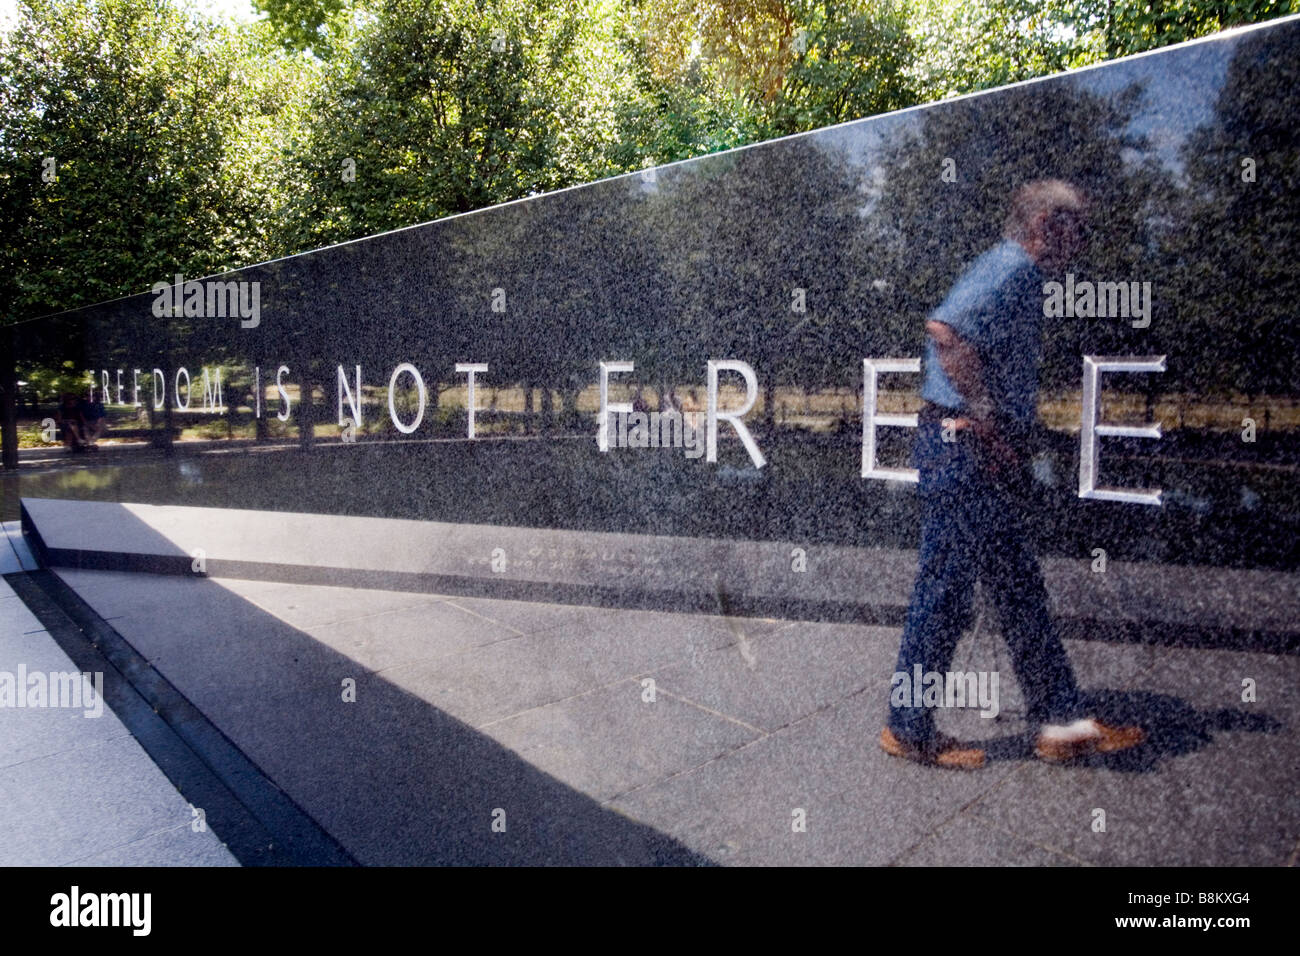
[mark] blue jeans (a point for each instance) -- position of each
(973, 527)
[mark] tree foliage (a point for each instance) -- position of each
(136, 143)
(302, 25)
(438, 107)
(180, 145)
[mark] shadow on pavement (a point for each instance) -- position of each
(392, 778)
(1173, 727)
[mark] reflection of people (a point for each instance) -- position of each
(639, 404)
(980, 390)
(95, 421)
(71, 424)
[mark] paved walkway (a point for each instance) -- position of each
(74, 788)
(419, 728)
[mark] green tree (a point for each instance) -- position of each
(767, 68)
(1113, 28)
(302, 25)
(136, 143)
(963, 46)
(436, 107)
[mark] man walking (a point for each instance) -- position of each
(980, 391)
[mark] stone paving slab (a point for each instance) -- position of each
(584, 740)
(162, 849)
(395, 780)
(771, 680)
(861, 806)
(968, 841)
(79, 789)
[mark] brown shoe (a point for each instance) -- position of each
(942, 751)
(1115, 739)
(1102, 739)
(1063, 751)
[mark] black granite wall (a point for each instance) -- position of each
(800, 257)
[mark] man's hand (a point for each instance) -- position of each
(1003, 460)
(961, 363)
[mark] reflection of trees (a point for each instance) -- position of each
(1218, 251)
(701, 260)
(1236, 279)
(730, 239)
(925, 231)
(526, 293)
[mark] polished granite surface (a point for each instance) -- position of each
(800, 258)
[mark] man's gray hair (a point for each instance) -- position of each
(1041, 196)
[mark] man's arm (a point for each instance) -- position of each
(961, 363)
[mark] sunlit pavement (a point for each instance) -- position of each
(418, 728)
(75, 786)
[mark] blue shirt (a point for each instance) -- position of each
(997, 307)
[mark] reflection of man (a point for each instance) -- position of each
(71, 425)
(980, 390)
(96, 421)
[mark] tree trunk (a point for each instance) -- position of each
(262, 430)
(8, 397)
(548, 411)
(306, 410)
